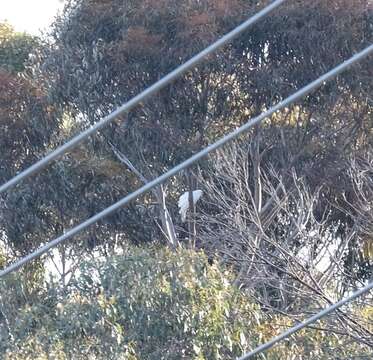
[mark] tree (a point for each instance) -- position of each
(289, 249)
(26, 127)
(112, 51)
(291, 193)
(25, 112)
(15, 48)
(44, 206)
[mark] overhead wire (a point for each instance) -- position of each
(144, 95)
(190, 161)
(159, 180)
(305, 323)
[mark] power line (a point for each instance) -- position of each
(141, 97)
(161, 179)
(307, 322)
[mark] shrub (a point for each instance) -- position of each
(152, 303)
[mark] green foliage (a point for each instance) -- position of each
(152, 303)
(112, 50)
(14, 48)
(180, 306)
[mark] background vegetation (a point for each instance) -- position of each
(285, 223)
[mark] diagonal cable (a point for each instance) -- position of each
(161, 179)
(147, 93)
(303, 324)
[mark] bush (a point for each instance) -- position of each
(152, 303)
(149, 304)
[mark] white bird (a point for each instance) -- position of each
(184, 202)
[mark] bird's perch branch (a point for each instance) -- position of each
(167, 224)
